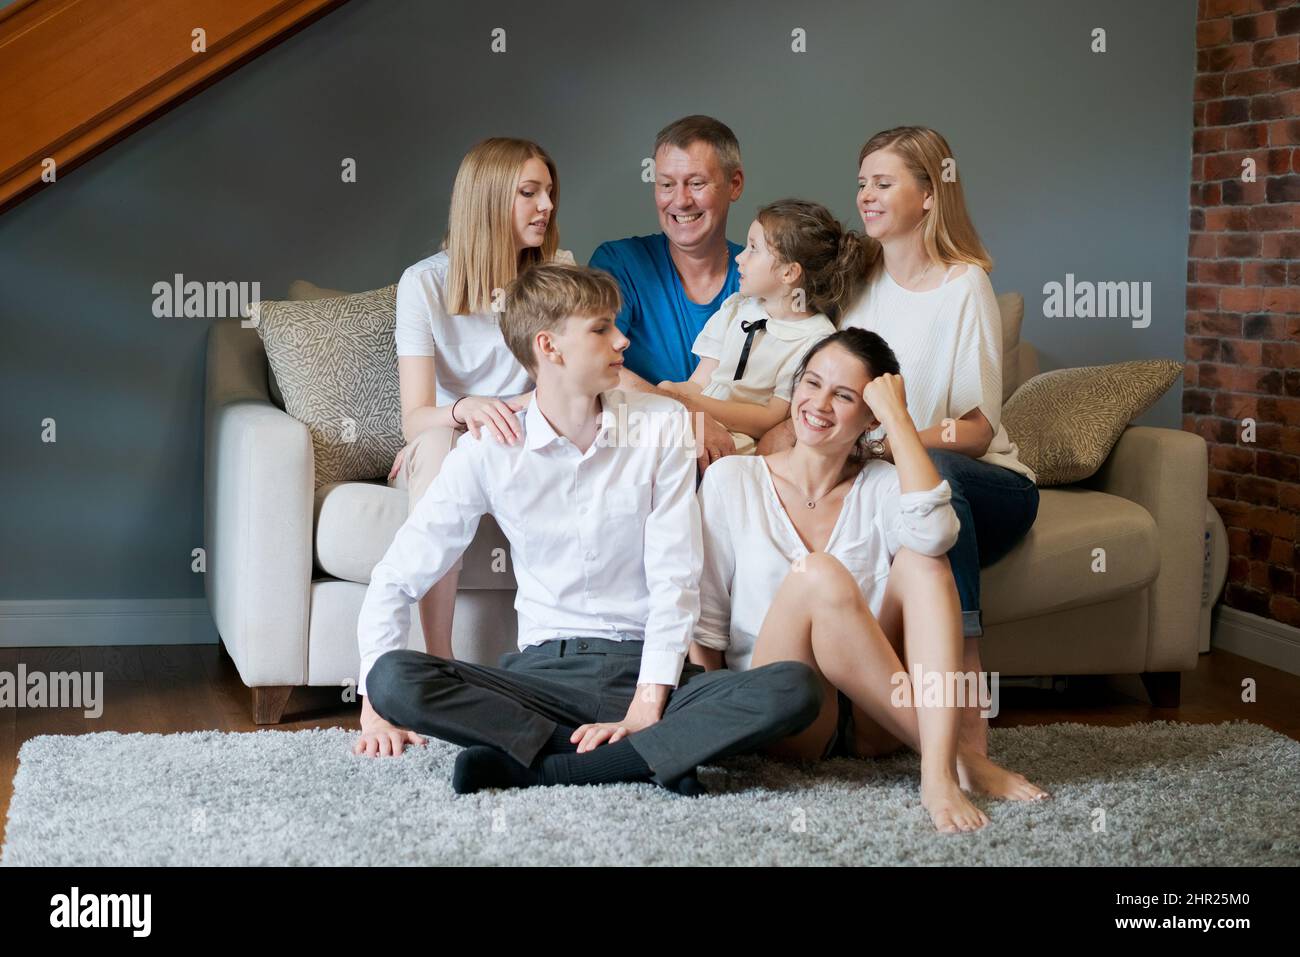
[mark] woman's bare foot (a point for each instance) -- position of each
(978, 774)
(950, 809)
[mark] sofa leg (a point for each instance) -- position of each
(1164, 687)
(269, 702)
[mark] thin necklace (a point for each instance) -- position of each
(811, 502)
(923, 273)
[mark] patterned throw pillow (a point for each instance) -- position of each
(336, 365)
(1066, 422)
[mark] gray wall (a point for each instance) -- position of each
(1072, 162)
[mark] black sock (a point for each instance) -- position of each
(607, 764)
(560, 741)
(688, 785)
(485, 767)
(481, 767)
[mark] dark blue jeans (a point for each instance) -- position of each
(997, 507)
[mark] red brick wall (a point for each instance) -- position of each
(1243, 294)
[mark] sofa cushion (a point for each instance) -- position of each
(1065, 422)
(355, 524)
(1011, 307)
(1055, 566)
(335, 363)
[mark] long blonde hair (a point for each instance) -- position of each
(947, 231)
(480, 227)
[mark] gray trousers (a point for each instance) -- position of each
(517, 706)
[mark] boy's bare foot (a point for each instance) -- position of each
(950, 809)
(979, 775)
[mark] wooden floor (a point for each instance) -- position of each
(171, 688)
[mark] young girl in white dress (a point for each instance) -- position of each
(826, 553)
(456, 373)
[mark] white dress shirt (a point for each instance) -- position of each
(948, 341)
(469, 355)
(750, 544)
(604, 544)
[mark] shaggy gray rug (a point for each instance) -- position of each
(1170, 793)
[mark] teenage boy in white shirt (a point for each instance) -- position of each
(598, 503)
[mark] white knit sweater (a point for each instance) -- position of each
(949, 345)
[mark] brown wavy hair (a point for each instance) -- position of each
(834, 260)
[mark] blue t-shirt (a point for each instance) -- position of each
(657, 317)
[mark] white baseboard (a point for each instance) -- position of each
(110, 621)
(1259, 639)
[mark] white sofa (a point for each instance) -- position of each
(288, 564)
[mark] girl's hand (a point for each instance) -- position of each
(480, 412)
(397, 462)
(521, 401)
(886, 399)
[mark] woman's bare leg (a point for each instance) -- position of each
(921, 610)
(925, 617)
(974, 726)
(437, 608)
(818, 616)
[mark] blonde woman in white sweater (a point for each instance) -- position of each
(826, 553)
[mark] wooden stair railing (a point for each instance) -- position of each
(77, 76)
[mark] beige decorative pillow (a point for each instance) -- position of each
(336, 365)
(299, 290)
(1065, 422)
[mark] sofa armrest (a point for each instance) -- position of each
(259, 473)
(1165, 471)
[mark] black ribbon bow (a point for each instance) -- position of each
(750, 329)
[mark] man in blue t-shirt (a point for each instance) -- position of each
(673, 281)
